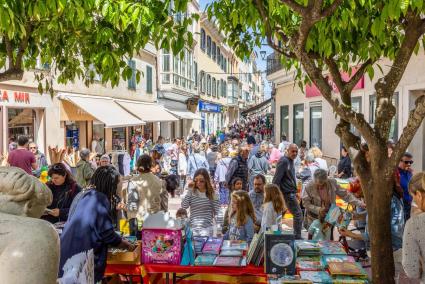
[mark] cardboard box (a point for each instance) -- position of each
(130, 257)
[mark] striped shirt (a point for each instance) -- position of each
(202, 209)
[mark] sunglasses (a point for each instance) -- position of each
(408, 162)
(57, 167)
(33, 147)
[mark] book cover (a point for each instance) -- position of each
(205, 260)
(234, 252)
(234, 245)
(199, 243)
(316, 276)
(227, 261)
(331, 247)
(338, 217)
(212, 246)
(307, 245)
(252, 247)
(348, 280)
(326, 259)
(279, 254)
(307, 265)
(346, 268)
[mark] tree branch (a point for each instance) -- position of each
(349, 139)
(330, 9)
(358, 75)
(295, 6)
(9, 51)
(386, 86)
(23, 45)
(336, 75)
(11, 74)
(416, 117)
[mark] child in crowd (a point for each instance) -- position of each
(235, 185)
(242, 217)
(320, 230)
(274, 207)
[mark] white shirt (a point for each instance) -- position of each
(283, 146)
(322, 163)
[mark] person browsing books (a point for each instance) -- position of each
(202, 202)
(242, 218)
(273, 208)
(235, 185)
(321, 193)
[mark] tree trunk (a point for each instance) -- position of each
(379, 225)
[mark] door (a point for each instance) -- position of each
(316, 126)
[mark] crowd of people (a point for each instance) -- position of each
(237, 170)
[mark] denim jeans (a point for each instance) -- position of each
(407, 207)
(294, 206)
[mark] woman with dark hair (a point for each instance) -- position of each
(151, 193)
(90, 224)
(202, 202)
(64, 188)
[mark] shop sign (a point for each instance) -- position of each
(312, 91)
(209, 107)
(18, 97)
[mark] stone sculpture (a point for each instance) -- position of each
(29, 247)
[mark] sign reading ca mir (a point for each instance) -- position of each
(17, 97)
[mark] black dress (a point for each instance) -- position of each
(63, 195)
(344, 166)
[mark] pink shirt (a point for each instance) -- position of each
(275, 156)
(22, 158)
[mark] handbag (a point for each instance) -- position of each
(132, 196)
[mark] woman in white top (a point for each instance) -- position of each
(317, 153)
(274, 207)
(414, 232)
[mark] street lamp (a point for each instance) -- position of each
(263, 54)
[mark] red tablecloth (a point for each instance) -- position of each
(153, 273)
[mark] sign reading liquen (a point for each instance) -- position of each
(17, 97)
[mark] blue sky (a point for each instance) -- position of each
(261, 64)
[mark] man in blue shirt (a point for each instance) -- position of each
(406, 173)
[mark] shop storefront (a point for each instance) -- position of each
(89, 121)
(212, 117)
(23, 113)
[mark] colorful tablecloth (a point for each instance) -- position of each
(154, 273)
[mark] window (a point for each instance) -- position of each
(218, 88)
(203, 43)
(218, 56)
(209, 46)
(213, 51)
(209, 85)
(132, 79)
(149, 79)
(195, 70)
(214, 89)
(224, 86)
(356, 105)
(225, 65)
(165, 66)
(298, 123)
(316, 126)
(284, 120)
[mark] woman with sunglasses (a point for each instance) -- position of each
(64, 188)
(202, 203)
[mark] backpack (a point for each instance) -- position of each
(132, 196)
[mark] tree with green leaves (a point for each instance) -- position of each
(320, 37)
(79, 38)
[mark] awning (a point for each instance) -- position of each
(147, 112)
(185, 114)
(103, 109)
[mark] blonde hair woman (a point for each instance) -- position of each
(317, 153)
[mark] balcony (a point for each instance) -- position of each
(273, 63)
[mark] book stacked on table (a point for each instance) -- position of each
(307, 263)
(331, 247)
(326, 259)
(233, 253)
(316, 276)
(216, 252)
(256, 250)
(307, 248)
(349, 270)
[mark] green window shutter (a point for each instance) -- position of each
(149, 79)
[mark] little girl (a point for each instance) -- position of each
(242, 217)
(319, 230)
(274, 207)
(235, 185)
